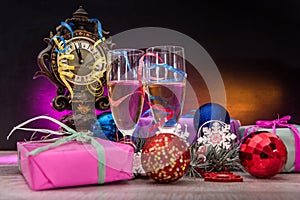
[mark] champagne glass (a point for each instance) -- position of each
(166, 83)
(124, 89)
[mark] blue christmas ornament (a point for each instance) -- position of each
(210, 112)
(105, 127)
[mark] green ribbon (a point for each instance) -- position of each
(84, 137)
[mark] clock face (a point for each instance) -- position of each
(81, 63)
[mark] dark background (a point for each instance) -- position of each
(254, 43)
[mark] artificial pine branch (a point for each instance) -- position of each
(218, 159)
(139, 143)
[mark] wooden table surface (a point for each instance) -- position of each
(281, 186)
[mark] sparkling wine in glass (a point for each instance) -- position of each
(166, 83)
(124, 89)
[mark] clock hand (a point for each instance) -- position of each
(79, 54)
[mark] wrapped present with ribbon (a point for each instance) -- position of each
(234, 127)
(184, 128)
(73, 160)
(288, 133)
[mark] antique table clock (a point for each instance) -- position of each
(75, 61)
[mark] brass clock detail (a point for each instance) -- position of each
(81, 63)
(75, 61)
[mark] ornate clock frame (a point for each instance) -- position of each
(47, 63)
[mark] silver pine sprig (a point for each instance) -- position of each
(216, 159)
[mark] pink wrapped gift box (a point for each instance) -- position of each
(74, 164)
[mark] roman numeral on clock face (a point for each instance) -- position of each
(78, 78)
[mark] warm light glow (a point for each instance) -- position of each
(253, 96)
(250, 102)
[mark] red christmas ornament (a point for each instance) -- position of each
(165, 157)
(222, 177)
(263, 154)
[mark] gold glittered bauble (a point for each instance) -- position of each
(165, 157)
